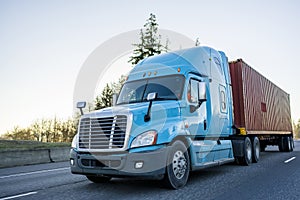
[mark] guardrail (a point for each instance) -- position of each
(28, 157)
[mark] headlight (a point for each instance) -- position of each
(74, 141)
(145, 139)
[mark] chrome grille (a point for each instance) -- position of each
(102, 133)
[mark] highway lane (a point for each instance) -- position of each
(271, 178)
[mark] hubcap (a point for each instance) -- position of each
(257, 151)
(289, 144)
(179, 164)
(249, 153)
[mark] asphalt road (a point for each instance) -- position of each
(272, 178)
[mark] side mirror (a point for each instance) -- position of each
(114, 99)
(202, 91)
(81, 105)
(151, 96)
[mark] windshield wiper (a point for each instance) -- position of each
(165, 98)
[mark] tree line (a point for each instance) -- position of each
(296, 127)
(45, 130)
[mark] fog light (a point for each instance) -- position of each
(72, 161)
(139, 165)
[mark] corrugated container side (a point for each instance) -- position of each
(259, 105)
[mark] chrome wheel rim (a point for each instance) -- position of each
(289, 144)
(179, 164)
(257, 151)
(249, 153)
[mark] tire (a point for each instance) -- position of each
(281, 146)
(99, 179)
(247, 158)
(292, 143)
(178, 166)
(285, 144)
(255, 149)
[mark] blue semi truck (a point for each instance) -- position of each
(182, 111)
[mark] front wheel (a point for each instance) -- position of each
(178, 166)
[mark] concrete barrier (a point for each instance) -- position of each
(29, 157)
(59, 154)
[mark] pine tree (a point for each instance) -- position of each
(150, 42)
(116, 86)
(105, 99)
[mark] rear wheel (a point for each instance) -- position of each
(246, 159)
(99, 179)
(285, 144)
(255, 149)
(281, 144)
(178, 166)
(292, 143)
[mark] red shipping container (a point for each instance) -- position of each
(259, 105)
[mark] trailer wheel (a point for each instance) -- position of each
(285, 144)
(178, 166)
(99, 179)
(246, 159)
(281, 146)
(255, 149)
(292, 143)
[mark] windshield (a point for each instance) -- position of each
(167, 88)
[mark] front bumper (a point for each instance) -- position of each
(121, 164)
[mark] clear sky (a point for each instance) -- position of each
(43, 44)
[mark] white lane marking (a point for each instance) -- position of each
(289, 160)
(17, 196)
(36, 172)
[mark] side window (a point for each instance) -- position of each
(193, 91)
(223, 105)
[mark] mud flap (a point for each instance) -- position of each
(238, 148)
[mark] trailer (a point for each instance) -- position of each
(261, 108)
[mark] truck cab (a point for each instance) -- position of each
(173, 115)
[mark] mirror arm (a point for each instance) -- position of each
(147, 116)
(81, 111)
(150, 97)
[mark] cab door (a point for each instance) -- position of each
(195, 119)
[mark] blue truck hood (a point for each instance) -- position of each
(165, 118)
